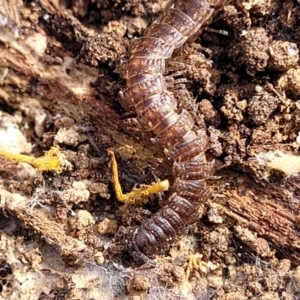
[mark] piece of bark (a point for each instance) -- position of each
(269, 211)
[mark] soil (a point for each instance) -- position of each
(63, 234)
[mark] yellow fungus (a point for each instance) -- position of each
(49, 162)
(137, 195)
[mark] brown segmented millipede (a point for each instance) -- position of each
(174, 130)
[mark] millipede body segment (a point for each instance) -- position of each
(174, 129)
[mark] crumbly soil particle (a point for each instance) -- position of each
(63, 236)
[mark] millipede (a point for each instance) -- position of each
(174, 129)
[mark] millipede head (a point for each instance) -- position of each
(138, 246)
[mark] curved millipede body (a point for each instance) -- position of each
(174, 129)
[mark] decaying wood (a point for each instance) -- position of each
(269, 211)
(59, 83)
